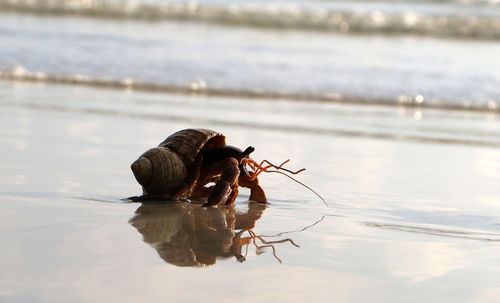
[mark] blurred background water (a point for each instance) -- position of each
(429, 53)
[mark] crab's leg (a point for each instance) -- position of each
(226, 187)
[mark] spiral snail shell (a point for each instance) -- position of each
(163, 169)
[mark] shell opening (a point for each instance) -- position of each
(215, 142)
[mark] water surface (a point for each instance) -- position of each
(413, 202)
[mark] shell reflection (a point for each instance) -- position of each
(189, 235)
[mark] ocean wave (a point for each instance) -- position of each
(201, 88)
(277, 16)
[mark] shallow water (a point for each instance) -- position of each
(412, 193)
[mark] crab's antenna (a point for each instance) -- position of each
(259, 168)
(281, 167)
(280, 172)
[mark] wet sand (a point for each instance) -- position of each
(413, 202)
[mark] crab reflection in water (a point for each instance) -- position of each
(189, 235)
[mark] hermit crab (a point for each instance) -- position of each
(184, 163)
(187, 161)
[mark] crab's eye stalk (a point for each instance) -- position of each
(248, 151)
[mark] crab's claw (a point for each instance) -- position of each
(257, 194)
